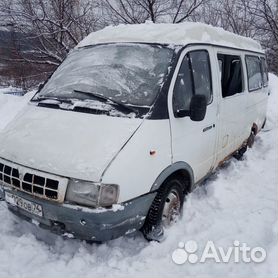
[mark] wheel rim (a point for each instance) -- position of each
(171, 210)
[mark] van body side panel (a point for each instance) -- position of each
(141, 161)
(256, 108)
(194, 142)
(256, 104)
(233, 128)
(232, 120)
(238, 113)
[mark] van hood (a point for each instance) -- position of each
(65, 143)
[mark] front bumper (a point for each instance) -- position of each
(86, 223)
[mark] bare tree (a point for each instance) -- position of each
(46, 30)
(138, 11)
(52, 26)
(251, 18)
(266, 13)
(231, 15)
(185, 10)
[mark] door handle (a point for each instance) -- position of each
(208, 127)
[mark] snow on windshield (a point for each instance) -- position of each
(129, 73)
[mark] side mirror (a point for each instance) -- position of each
(198, 108)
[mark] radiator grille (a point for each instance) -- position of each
(38, 184)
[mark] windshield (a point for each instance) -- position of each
(131, 74)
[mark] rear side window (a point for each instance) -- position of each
(264, 72)
(194, 77)
(230, 68)
(254, 74)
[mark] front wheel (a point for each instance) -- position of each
(165, 210)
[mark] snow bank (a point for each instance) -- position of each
(239, 202)
(9, 90)
(272, 114)
(179, 34)
(10, 106)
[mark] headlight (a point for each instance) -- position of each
(92, 194)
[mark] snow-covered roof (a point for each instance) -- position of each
(178, 34)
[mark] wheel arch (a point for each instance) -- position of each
(179, 169)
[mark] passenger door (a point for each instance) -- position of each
(194, 142)
(233, 123)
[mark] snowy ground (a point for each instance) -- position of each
(238, 203)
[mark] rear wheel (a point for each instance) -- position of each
(165, 210)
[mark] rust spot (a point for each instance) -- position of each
(255, 129)
(231, 154)
(225, 159)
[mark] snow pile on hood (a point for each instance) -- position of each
(239, 203)
(179, 34)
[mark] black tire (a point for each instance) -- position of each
(153, 228)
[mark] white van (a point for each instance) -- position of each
(133, 119)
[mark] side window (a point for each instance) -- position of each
(254, 74)
(230, 67)
(264, 72)
(201, 73)
(183, 89)
(194, 77)
(220, 64)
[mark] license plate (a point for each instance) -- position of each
(23, 204)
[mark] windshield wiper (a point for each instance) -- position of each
(67, 101)
(60, 100)
(107, 99)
